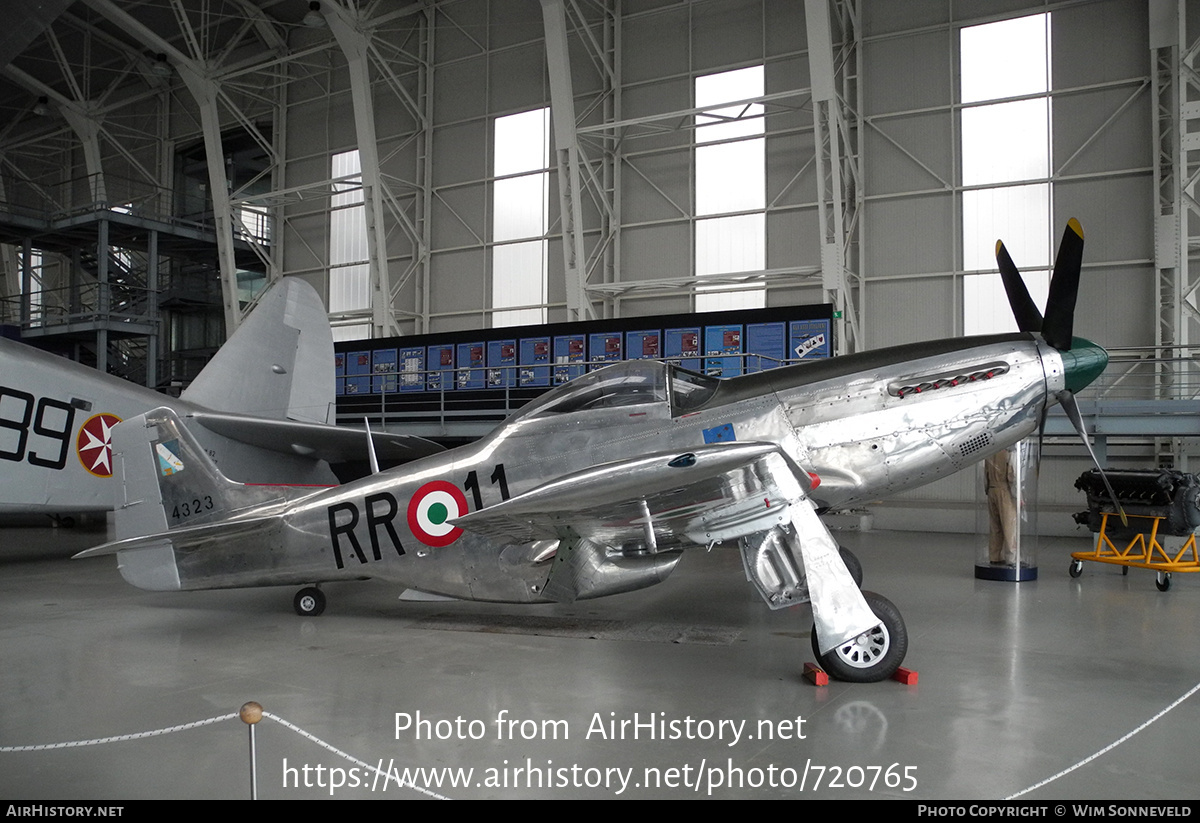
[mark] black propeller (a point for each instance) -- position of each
(1057, 327)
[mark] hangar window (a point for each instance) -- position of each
(520, 203)
(349, 273)
(731, 220)
(1004, 71)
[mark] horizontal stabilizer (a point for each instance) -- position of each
(185, 538)
(321, 442)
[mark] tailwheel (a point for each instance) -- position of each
(873, 655)
(309, 602)
(852, 565)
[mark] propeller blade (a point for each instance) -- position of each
(1067, 400)
(1064, 288)
(1023, 308)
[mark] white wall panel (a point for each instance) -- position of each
(910, 310)
(912, 235)
(1102, 130)
(910, 72)
(459, 217)
(1098, 42)
(911, 152)
(656, 45)
(1108, 210)
(656, 252)
(785, 32)
(519, 79)
(727, 33)
(461, 91)
(449, 289)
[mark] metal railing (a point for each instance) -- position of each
(85, 303)
(1147, 373)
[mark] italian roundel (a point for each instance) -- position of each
(432, 508)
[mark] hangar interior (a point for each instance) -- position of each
(446, 165)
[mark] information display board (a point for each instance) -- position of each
(501, 364)
(570, 352)
(643, 345)
(723, 350)
(383, 371)
(604, 348)
(766, 346)
(439, 367)
(534, 361)
(412, 368)
(470, 366)
(358, 372)
(682, 347)
(810, 339)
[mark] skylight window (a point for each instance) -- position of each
(1006, 163)
(730, 178)
(520, 206)
(349, 273)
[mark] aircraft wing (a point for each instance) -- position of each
(333, 444)
(717, 492)
(710, 494)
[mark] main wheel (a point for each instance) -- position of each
(309, 602)
(852, 565)
(1076, 568)
(873, 655)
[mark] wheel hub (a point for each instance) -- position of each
(863, 651)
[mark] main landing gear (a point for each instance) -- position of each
(309, 602)
(873, 655)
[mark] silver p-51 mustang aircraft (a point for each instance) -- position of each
(596, 487)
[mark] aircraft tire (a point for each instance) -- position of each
(873, 655)
(852, 565)
(309, 602)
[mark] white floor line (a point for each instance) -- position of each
(1107, 748)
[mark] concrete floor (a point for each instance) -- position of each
(1017, 684)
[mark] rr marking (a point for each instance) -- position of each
(374, 518)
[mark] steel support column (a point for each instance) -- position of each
(837, 159)
(196, 75)
(566, 144)
(1176, 133)
(354, 42)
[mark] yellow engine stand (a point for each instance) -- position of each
(1144, 551)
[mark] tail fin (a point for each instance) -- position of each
(167, 482)
(279, 362)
